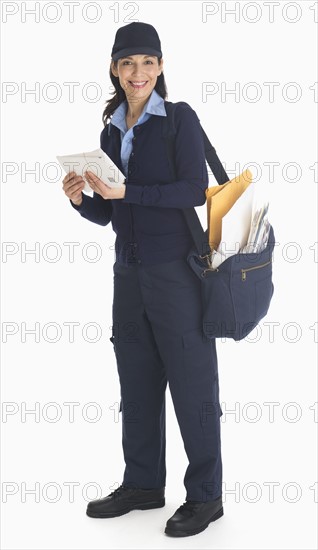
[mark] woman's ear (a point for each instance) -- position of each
(161, 66)
(113, 69)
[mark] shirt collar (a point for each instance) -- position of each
(154, 106)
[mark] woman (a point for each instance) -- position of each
(157, 315)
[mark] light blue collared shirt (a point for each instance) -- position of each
(154, 106)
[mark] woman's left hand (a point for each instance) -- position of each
(103, 189)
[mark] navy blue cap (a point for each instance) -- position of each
(136, 38)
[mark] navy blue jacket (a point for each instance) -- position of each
(148, 222)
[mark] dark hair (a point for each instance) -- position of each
(120, 96)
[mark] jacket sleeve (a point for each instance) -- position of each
(192, 175)
(95, 209)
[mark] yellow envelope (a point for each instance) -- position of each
(220, 199)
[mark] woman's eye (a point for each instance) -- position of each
(147, 61)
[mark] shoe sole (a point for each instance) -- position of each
(174, 533)
(142, 506)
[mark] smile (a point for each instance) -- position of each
(141, 84)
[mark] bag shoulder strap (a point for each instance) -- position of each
(168, 133)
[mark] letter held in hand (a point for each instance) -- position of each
(94, 161)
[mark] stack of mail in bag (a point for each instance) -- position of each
(235, 223)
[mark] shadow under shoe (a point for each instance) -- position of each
(123, 500)
(194, 516)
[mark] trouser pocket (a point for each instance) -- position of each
(201, 372)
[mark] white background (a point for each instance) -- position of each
(225, 51)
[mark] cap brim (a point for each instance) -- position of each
(131, 51)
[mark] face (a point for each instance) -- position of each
(137, 75)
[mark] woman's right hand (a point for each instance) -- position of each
(72, 187)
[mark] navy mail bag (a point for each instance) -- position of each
(237, 294)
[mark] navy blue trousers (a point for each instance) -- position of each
(158, 338)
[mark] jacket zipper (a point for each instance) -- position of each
(131, 224)
(132, 233)
(243, 271)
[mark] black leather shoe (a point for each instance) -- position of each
(123, 500)
(193, 516)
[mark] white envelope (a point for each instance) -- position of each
(94, 161)
(235, 227)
